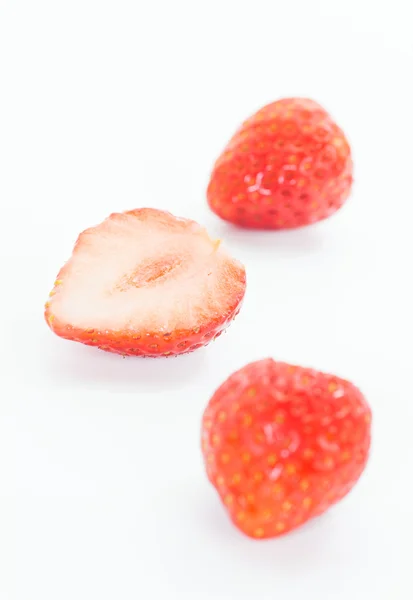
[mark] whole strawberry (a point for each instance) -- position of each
(282, 444)
(146, 283)
(288, 165)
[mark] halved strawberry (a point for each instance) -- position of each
(146, 283)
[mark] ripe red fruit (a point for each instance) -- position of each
(146, 283)
(288, 165)
(282, 444)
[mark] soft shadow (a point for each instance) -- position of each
(75, 365)
(292, 243)
(289, 553)
(204, 532)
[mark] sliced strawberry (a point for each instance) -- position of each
(146, 283)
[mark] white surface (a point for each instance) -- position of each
(113, 105)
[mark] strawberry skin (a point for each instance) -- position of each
(282, 444)
(146, 283)
(288, 165)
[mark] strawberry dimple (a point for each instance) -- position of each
(287, 166)
(283, 443)
(146, 283)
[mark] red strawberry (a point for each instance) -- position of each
(288, 165)
(283, 443)
(146, 283)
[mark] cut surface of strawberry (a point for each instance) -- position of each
(146, 283)
(283, 443)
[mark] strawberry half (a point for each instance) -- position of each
(283, 443)
(146, 283)
(288, 165)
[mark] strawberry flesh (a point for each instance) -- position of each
(146, 283)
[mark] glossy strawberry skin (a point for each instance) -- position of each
(282, 444)
(288, 165)
(147, 344)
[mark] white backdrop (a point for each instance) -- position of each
(112, 105)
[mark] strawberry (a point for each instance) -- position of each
(282, 444)
(146, 283)
(288, 165)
